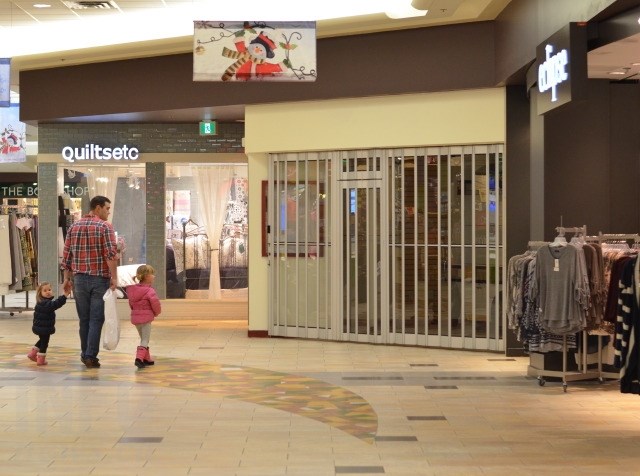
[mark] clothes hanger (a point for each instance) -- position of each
(559, 241)
(578, 240)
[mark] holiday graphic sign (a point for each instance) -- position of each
(5, 82)
(254, 51)
(13, 135)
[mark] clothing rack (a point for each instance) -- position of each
(536, 245)
(577, 230)
(614, 237)
(611, 238)
(22, 209)
(583, 372)
(13, 309)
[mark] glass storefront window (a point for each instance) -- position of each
(206, 230)
(197, 196)
(125, 187)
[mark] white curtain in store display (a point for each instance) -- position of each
(212, 185)
(104, 181)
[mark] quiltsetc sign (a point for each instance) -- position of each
(254, 51)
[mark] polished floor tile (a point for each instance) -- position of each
(219, 403)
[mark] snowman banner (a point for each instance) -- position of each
(12, 135)
(254, 51)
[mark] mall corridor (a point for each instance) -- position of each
(219, 403)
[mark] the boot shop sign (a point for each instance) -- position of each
(30, 190)
(18, 190)
(95, 152)
(560, 70)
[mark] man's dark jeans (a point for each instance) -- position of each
(88, 292)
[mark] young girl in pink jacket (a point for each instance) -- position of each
(145, 306)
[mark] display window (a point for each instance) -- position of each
(125, 187)
(206, 226)
(207, 231)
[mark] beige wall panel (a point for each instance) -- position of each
(457, 117)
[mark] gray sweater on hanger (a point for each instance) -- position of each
(561, 291)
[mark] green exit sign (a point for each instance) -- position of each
(208, 128)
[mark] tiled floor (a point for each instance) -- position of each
(219, 403)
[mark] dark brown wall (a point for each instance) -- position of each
(524, 24)
(518, 166)
(592, 161)
(518, 196)
(624, 153)
(409, 61)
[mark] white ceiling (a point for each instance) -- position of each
(616, 61)
(26, 24)
(20, 17)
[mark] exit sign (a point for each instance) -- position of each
(208, 128)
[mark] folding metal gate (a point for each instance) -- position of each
(401, 246)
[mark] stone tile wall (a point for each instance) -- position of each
(148, 138)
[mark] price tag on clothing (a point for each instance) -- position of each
(556, 264)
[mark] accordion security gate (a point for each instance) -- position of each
(398, 246)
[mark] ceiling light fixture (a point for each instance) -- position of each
(41, 5)
(405, 12)
(620, 72)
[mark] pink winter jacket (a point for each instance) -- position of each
(144, 303)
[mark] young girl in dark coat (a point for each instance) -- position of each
(44, 321)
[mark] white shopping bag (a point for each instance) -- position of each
(111, 331)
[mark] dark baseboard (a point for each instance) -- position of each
(258, 333)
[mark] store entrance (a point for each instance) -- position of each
(402, 246)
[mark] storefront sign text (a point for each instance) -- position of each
(76, 190)
(96, 152)
(19, 191)
(560, 70)
(553, 71)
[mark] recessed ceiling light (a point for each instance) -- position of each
(617, 72)
(41, 5)
(405, 12)
(635, 64)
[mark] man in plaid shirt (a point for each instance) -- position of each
(90, 257)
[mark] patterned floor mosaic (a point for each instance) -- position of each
(329, 404)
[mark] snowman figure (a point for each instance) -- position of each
(9, 142)
(252, 60)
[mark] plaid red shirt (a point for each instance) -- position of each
(90, 243)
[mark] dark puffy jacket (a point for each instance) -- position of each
(44, 315)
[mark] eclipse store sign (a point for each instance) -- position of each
(96, 152)
(561, 68)
(553, 71)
